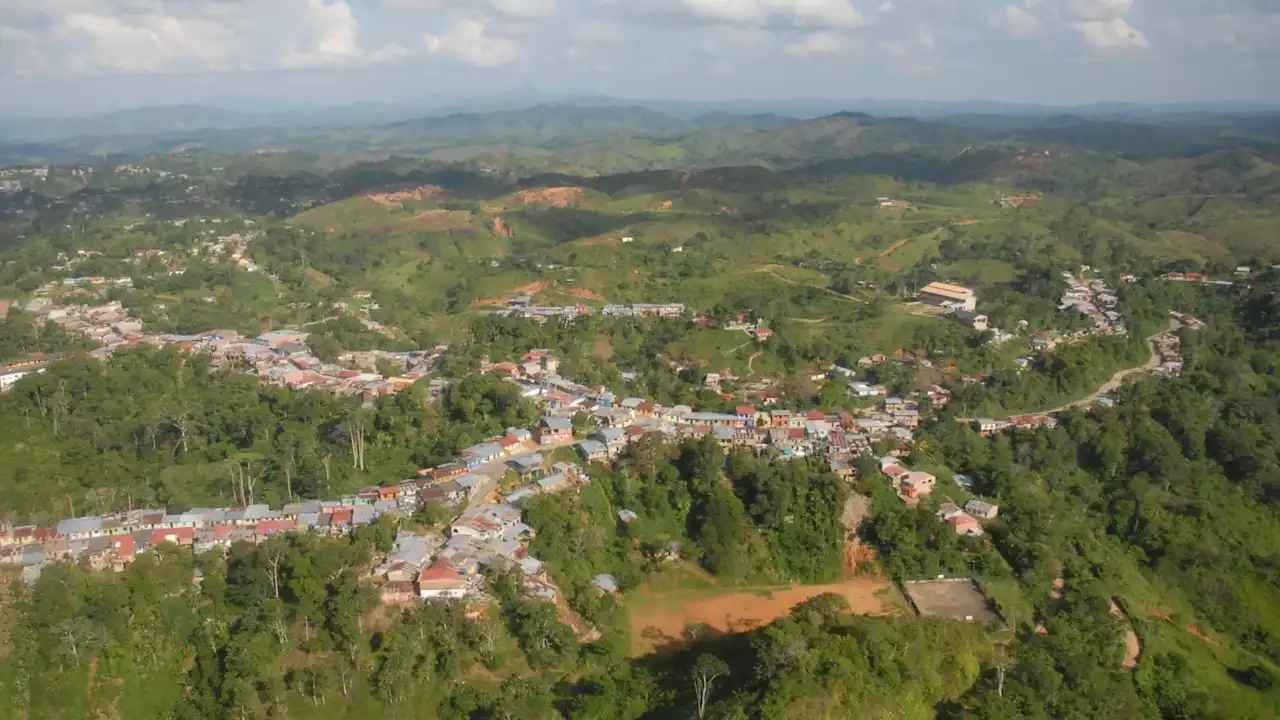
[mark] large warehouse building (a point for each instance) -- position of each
(952, 297)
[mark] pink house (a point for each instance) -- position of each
(917, 484)
(965, 524)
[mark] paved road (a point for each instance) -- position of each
(1118, 379)
(495, 471)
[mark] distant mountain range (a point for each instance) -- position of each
(618, 138)
(738, 114)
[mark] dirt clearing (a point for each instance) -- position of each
(444, 219)
(955, 599)
(661, 620)
(555, 196)
(602, 348)
(426, 192)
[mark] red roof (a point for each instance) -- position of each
(173, 535)
(123, 545)
(341, 517)
(745, 410)
(635, 431)
(816, 415)
(645, 406)
(266, 527)
(795, 433)
(509, 441)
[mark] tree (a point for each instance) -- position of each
(706, 670)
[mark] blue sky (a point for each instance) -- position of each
(95, 54)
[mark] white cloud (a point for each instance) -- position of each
(818, 43)
(469, 40)
(1097, 10)
(829, 14)
(1108, 34)
(1017, 21)
(516, 9)
(333, 39)
(525, 8)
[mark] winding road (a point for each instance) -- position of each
(1118, 379)
(816, 287)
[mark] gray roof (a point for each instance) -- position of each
(553, 423)
(530, 461)
(606, 582)
(531, 566)
(592, 447)
(469, 481)
(553, 481)
(77, 526)
(484, 450)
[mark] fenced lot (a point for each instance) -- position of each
(956, 599)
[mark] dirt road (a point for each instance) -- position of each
(1118, 379)
(816, 287)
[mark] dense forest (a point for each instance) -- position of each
(155, 428)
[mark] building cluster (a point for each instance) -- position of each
(113, 541)
(12, 179)
(281, 357)
(1168, 346)
(523, 307)
(911, 486)
(1097, 301)
(420, 567)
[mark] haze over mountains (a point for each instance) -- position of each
(235, 114)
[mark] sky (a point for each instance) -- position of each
(69, 56)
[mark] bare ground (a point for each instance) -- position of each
(660, 624)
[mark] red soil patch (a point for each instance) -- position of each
(501, 227)
(965, 222)
(532, 288)
(1193, 629)
(594, 242)
(726, 210)
(662, 621)
(585, 294)
(331, 229)
(556, 196)
(665, 205)
(426, 192)
(444, 219)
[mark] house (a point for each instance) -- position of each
(606, 583)
(552, 431)
(397, 593)
(762, 334)
(982, 510)
(509, 444)
(593, 450)
(971, 319)
(948, 510)
(989, 427)
(438, 582)
(965, 524)
(865, 390)
(554, 483)
(907, 418)
(527, 466)
(917, 484)
(478, 455)
(627, 516)
(948, 296)
(184, 536)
